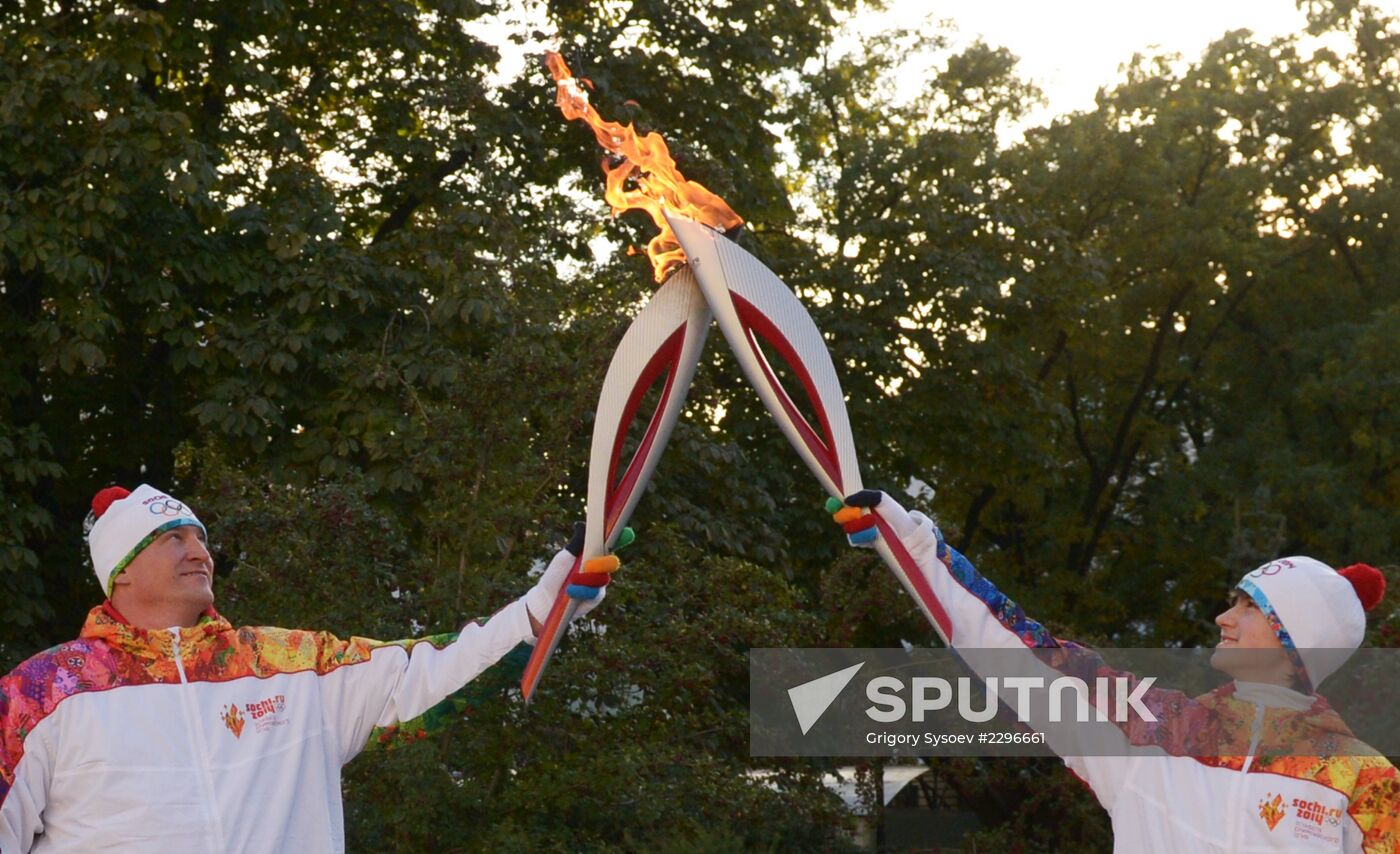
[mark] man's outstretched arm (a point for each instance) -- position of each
(371, 685)
(989, 629)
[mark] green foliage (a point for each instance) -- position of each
(310, 270)
(509, 777)
(1030, 805)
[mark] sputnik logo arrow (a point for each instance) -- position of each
(810, 700)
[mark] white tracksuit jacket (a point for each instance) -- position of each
(1162, 798)
(210, 739)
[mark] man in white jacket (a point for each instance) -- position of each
(1204, 778)
(164, 728)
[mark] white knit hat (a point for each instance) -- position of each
(123, 523)
(1317, 612)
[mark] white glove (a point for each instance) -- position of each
(915, 530)
(587, 586)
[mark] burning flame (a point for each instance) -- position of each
(658, 184)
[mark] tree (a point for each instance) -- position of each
(305, 268)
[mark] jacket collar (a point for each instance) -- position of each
(1282, 704)
(106, 623)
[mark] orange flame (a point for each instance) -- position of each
(647, 159)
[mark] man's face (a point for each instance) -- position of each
(1248, 648)
(174, 571)
(1244, 626)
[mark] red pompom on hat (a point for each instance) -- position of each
(102, 500)
(1368, 581)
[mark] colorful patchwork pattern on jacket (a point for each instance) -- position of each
(111, 654)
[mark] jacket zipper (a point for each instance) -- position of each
(198, 740)
(1254, 736)
(1242, 780)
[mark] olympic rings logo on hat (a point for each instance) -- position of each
(1272, 568)
(167, 507)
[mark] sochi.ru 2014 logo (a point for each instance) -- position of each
(233, 719)
(1272, 811)
(265, 714)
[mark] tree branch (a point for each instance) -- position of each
(1082, 441)
(1349, 258)
(212, 103)
(1149, 376)
(1058, 348)
(1081, 553)
(974, 515)
(1106, 511)
(1209, 342)
(413, 199)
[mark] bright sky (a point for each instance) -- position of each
(1070, 47)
